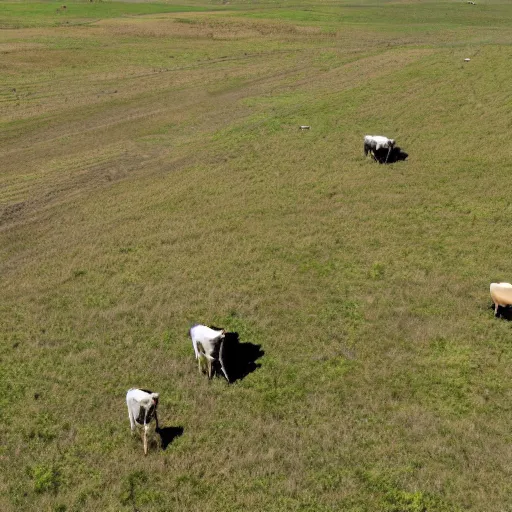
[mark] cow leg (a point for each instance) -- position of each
(496, 308)
(210, 369)
(132, 420)
(222, 360)
(387, 156)
(224, 372)
(145, 439)
(203, 364)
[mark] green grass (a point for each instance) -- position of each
(153, 175)
(422, 16)
(16, 14)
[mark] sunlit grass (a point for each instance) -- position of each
(17, 14)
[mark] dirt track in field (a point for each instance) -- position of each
(75, 123)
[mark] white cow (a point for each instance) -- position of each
(372, 143)
(501, 295)
(142, 405)
(208, 347)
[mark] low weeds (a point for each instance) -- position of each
(394, 499)
(46, 478)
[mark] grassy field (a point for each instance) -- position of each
(152, 175)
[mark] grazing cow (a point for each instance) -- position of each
(501, 295)
(208, 347)
(142, 405)
(374, 143)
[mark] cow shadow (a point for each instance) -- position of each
(504, 312)
(168, 435)
(239, 359)
(395, 155)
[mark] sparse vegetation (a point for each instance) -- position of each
(153, 175)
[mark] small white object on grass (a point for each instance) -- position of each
(304, 127)
(467, 60)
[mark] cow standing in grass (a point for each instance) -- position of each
(379, 148)
(208, 348)
(501, 295)
(142, 408)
